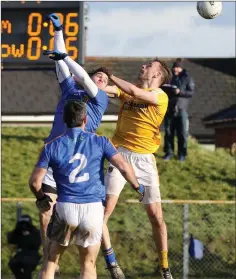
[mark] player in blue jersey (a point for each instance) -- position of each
(76, 159)
(91, 91)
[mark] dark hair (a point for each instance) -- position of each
(101, 69)
(166, 72)
(74, 113)
(178, 63)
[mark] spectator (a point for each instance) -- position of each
(179, 91)
(27, 239)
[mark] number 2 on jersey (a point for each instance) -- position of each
(82, 165)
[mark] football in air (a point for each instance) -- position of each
(209, 10)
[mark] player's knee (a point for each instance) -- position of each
(155, 217)
(89, 265)
(157, 221)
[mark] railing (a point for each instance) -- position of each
(210, 222)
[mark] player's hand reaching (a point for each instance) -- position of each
(141, 191)
(55, 54)
(44, 204)
(55, 19)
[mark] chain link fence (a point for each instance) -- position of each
(214, 225)
(210, 222)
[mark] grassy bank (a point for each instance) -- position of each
(204, 175)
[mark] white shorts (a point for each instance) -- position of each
(82, 221)
(48, 179)
(145, 170)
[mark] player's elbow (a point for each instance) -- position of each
(123, 167)
(34, 183)
(119, 162)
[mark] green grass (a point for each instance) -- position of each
(204, 175)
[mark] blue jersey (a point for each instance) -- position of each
(95, 107)
(76, 159)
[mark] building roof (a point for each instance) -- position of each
(227, 115)
(28, 92)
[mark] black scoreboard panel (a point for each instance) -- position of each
(26, 32)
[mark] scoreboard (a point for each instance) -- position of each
(26, 32)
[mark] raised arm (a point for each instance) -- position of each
(147, 96)
(82, 77)
(60, 54)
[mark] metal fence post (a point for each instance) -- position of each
(185, 242)
(18, 211)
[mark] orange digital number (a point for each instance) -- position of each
(51, 28)
(71, 25)
(31, 18)
(72, 49)
(38, 43)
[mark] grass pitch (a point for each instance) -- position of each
(204, 175)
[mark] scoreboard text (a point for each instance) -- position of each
(27, 32)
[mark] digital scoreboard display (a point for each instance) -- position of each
(26, 32)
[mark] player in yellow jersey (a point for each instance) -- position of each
(137, 137)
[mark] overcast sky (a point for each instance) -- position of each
(163, 29)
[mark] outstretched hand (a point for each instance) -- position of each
(55, 19)
(55, 54)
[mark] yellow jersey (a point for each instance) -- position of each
(138, 126)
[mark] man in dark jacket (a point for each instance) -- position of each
(27, 239)
(180, 91)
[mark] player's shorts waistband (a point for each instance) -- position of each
(129, 152)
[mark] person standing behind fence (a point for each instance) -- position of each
(176, 119)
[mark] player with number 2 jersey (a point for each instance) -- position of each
(76, 159)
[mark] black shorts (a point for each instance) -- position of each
(48, 189)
